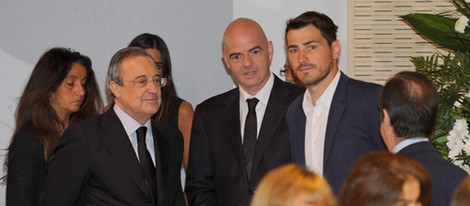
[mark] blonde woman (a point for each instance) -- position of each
(293, 185)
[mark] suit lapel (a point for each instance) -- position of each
(231, 122)
(271, 120)
(118, 144)
(161, 146)
(336, 111)
(296, 125)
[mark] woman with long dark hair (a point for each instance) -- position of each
(62, 90)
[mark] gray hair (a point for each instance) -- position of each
(114, 73)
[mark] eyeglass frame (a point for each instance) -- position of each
(283, 71)
(157, 81)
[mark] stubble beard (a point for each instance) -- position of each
(309, 82)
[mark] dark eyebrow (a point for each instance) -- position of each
(71, 76)
(255, 48)
(234, 54)
(304, 44)
(140, 76)
(292, 46)
(309, 42)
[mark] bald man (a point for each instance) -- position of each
(222, 169)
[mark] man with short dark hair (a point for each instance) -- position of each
(336, 120)
(409, 103)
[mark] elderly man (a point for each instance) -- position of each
(122, 157)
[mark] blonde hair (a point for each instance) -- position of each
(461, 195)
(282, 186)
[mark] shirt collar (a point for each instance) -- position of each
(408, 141)
(262, 95)
(129, 123)
(326, 98)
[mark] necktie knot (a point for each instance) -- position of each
(141, 134)
(252, 104)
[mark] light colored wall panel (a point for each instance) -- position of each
(380, 44)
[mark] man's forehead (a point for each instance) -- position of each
(244, 44)
(137, 64)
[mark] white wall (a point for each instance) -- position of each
(192, 29)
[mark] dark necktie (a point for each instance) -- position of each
(249, 137)
(146, 161)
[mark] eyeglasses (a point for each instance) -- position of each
(283, 71)
(143, 81)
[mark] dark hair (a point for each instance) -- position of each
(378, 178)
(34, 104)
(411, 101)
(321, 21)
(152, 41)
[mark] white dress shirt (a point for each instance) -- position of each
(131, 125)
(315, 126)
(263, 97)
(407, 142)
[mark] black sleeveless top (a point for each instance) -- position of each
(173, 113)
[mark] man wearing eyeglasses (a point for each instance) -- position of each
(122, 157)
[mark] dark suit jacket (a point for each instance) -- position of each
(95, 164)
(353, 128)
(444, 175)
(216, 171)
(26, 168)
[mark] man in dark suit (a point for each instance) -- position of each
(409, 103)
(336, 120)
(228, 156)
(122, 157)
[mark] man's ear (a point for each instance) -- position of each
(386, 118)
(336, 49)
(115, 88)
(226, 65)
(270, 50)
(387, 131)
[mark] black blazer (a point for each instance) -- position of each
(95, 164)
(26, 168)
(444, 175)
(353, 128)
(216, 171)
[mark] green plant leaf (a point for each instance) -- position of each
(437, 29)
